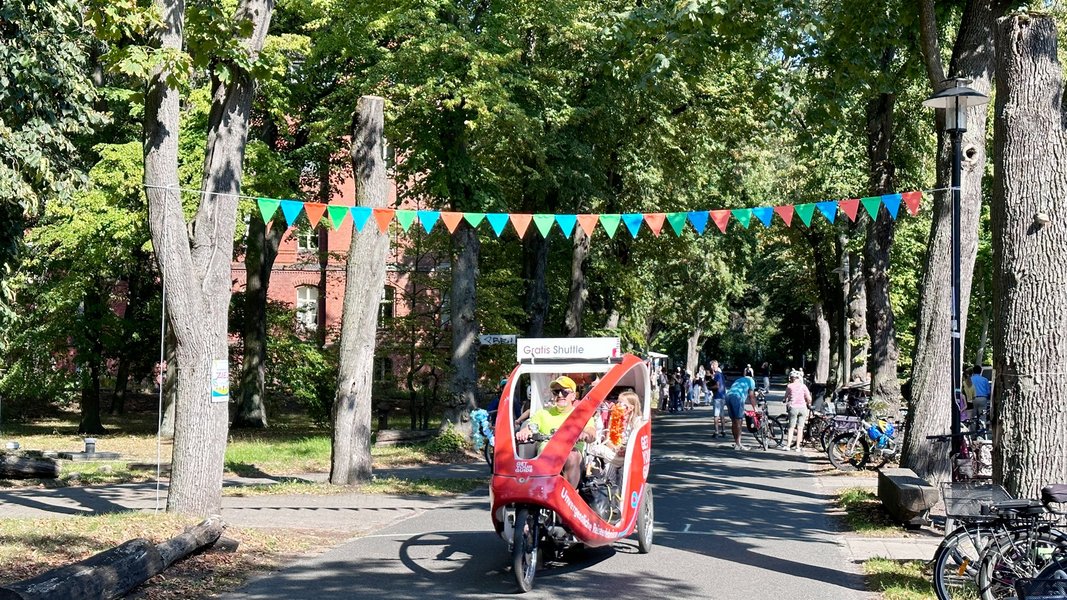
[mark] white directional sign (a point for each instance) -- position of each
(567, 348)
(496, 340)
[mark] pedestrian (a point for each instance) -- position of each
(798, 404)
(742, 389)
(661, 379)
(700, 383)
(687, 390)
(748, 372)
(982, 391)
(675, 390)
(765, 371)
(717, 385)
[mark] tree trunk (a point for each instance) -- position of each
(262, 248)
(170, 384)
(196, 272)
(844, 339)
(90, 358)
(881, 330)
(350, 461)
(857, 320)
(692, 348)
(931, 377)
(822, 358)
(1029, 251)
(535, 266)
(463, 391)
(572, 322)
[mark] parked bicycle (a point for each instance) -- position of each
(874, 439)
(999, 542)
(767, 431)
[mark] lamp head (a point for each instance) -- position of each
(956, 98)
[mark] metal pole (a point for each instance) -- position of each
(957, 366)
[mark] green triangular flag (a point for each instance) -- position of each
(610, 223)
(337, 215)
(872, 203)
(544, 223)
(805, 211)
(677, 221)
(267, 207)
(405, 218)
(475, 219)
(743, 216)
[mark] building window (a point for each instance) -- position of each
(387, 307)
(307, 307)
(383, 369)
(307, 239)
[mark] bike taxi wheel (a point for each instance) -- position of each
(524, 550)
(645, 522)
(849, 451)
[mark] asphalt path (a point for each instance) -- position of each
(729, 524)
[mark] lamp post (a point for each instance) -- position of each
(955, 99)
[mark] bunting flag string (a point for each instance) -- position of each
(544, 223)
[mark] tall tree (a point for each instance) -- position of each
(1030, 249)
(196, 266)
(350, 460)
(931, 377)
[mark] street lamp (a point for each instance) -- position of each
(955, 99)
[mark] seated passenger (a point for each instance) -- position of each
(548, 420)
(621, 423)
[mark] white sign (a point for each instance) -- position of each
(567, 348)
(495, 340)
(220, 381)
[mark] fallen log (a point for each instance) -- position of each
(114, 573)
(21, 467)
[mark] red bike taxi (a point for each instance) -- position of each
(534, 508)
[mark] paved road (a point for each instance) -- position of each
(728, 525)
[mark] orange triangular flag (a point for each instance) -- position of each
(520, 222)
(588, 223)
(655, 222)
(451, 220)
(849, 207)
(384, 216)
(911, 200)
(786, 212)
(314, 210)
(721, 218)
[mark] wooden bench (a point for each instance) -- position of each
(906, 496)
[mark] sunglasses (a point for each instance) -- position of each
(561, 392)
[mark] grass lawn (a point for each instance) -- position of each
(899, 580)
(864, 513)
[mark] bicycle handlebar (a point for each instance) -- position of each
(948, 436)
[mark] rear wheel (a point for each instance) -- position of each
(645, 522)
(849, 451)
(1020, 555)
(956, 565)
(524, 550)
(775, 433)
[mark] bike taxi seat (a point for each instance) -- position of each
(1054, 493)
(1022, 508)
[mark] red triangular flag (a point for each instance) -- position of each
(911, 200)
(521, 222)
(721, 218)
(451, 220)
(384, 216)
(849, 207)
(588, 223)
(314, 210)
(655, 222)
(786, 212)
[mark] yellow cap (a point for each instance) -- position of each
(564, 382)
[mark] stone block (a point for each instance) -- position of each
(906, 496)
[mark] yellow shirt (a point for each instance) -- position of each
(548, 420)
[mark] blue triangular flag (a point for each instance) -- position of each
(428, 218)
(828, 209)
(892, 203)
(360, 214)
(566, 224)
(498, 221)
(633, 222)
(699, 220)
(764, 214)
(291, 209)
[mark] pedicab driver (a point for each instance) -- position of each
(548, 420)
(742, 389)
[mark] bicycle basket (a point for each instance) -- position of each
(965, 499)
(1053, 587)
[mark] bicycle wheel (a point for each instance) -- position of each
(1021, 554)
(524, 549)
(849, 451)
(827, 436)
(775, 433)
(956, 564)
(760, 433)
